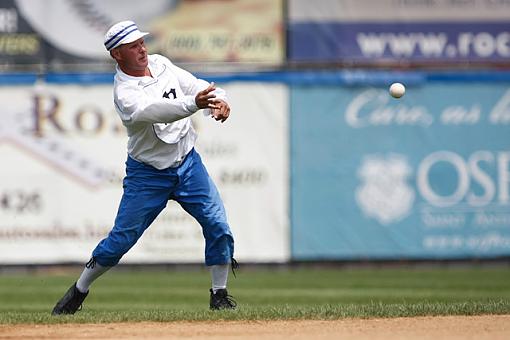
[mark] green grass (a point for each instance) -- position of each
(263, 294)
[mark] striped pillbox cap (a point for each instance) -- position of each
(121, 33)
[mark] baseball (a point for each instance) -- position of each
(397, 90)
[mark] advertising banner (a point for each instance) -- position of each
(19, 43)
(64, 34)
(426, 176)
(222, 31)
(63, 150)
(391, 31)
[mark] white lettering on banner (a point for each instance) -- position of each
(442, 220)
(480, 196)
(479, 243)
(481, 177)
(484, 44)
(500, 114)
(466, 171)
(443, 242)
(423, 178)
(8, 20)
(489, 219)
(370, 108)
(402, 44)
(504, 176)
(434, 45)
(456, 115)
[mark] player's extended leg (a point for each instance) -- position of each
(139, 206)
(198, 195)
(146, 193)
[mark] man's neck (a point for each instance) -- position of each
(136, 73)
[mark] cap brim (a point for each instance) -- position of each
(132, 37)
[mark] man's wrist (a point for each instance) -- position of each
(191, 105)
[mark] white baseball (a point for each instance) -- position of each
(397, 90)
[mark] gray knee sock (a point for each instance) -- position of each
(89, 274)
(219, 275)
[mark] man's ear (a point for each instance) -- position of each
(115, 54)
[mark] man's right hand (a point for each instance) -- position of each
(206, 99)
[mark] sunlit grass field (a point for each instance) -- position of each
(262, 294)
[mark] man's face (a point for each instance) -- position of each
(132, 56)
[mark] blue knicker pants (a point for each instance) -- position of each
(146, 193)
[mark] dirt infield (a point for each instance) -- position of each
(449, 327)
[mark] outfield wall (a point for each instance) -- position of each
(311, 165)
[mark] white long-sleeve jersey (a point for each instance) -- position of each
(155, 110)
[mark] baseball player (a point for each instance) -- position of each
(154, 99)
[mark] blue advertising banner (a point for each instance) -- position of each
(388, 31)
(426, 176)
(418, 42)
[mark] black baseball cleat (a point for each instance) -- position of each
(70, 302)
(221, 300)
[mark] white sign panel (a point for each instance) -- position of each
(63, 150)
(398, 10)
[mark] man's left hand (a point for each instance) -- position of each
(222, 112)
